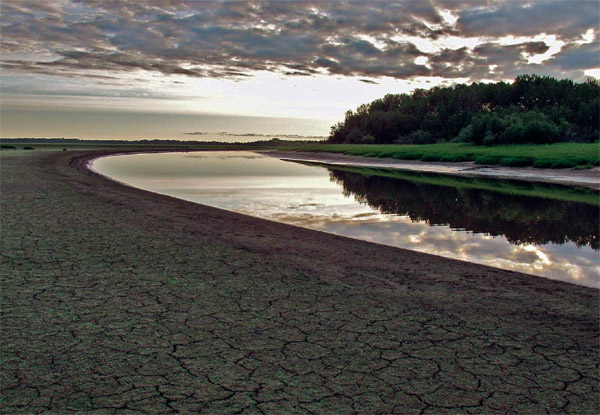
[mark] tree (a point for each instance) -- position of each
(533, 108)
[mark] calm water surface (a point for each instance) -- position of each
(541, 236)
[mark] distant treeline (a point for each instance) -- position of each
(156, 142)
(533, 109)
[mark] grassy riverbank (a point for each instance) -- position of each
(116, 300)
(517, 188)
(562, 155)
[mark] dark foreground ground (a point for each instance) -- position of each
(115, 300)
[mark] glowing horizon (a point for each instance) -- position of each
(279, 60)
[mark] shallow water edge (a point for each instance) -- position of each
(312, 197)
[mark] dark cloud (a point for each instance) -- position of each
(495, 54)
(234, 39)
(567, 19)
(534, 48)
(578, 56)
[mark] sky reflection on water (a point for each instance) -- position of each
(313, 197)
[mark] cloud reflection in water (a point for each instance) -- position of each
(361, 207)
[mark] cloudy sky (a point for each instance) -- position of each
(159, 68)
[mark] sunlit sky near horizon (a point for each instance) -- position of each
(207, 70)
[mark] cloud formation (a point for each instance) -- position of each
(101, 38)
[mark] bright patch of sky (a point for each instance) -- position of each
(275, 59)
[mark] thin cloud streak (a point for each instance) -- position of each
(228, 134)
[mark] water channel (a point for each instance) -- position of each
(546, 230)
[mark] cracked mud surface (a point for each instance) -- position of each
(116, 300)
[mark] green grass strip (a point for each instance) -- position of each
(560, 155)
(511, 187)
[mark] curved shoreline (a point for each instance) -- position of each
(119, 300)
(570, 177)
(502, 259)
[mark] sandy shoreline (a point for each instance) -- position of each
(116, 299)
(585, 178)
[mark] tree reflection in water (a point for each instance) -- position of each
(521, 219)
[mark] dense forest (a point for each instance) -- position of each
(533, 109)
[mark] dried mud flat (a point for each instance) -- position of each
(116, 300)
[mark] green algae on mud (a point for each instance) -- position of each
(117, 300)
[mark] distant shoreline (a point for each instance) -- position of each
(581, 177)
(588, 178)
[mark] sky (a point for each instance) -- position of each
(246, 70)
